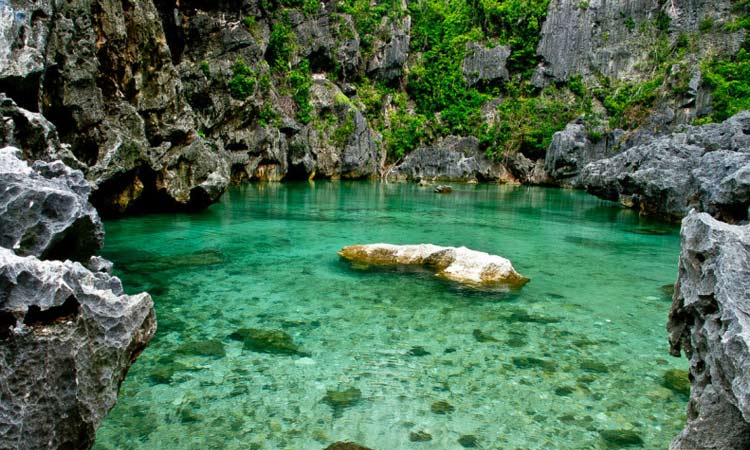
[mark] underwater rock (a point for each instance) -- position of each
(528, 362)
(418, 351)
(420, 436)
(67, 338)
(710, 321)
(44, 210)
(617, 439)
(481, 336)
(212, 348)
(346, 446)
(468, 441)
(340, 400)
(443, 189)
(458, 264)
(267, 341)
(442, 407)
(677, 380)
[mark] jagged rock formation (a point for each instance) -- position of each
(709, 322)
(452, 159)
(601, 37)
(389, 55)
(486, 65)
(68, 333)
(704, 167)
(572, 149)
(44, 210)
(67, 339)
(458, 264)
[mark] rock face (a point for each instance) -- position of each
(706, 167)
(44, 210)
(68, 337)
(389, 55)
(613, 38)
(452, 159)
(710, 322)
(68, 334)
(458, 264)
(572, 149)
(486, 65)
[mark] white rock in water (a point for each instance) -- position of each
(458, 264)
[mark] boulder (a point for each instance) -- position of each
(458, 264)
(704, 167)
(485, 65)
(67, 339)
(451, 159)
(710, 322)
(44, 210)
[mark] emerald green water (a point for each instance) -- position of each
(580, 351)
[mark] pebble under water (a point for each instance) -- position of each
(267, 340)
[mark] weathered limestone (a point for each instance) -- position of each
(451, 159)
(710, 322)
(458, 264)
(704, 167)
(485, 65)
(67, 339)
(44, 210)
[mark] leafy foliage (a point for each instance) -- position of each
(280, 45)
(300, 81)
(242, 84)
(730, 80)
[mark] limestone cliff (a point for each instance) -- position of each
(709, 323)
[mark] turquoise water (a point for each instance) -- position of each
(391, 358)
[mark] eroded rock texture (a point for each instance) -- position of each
(710, 322)
(460, 264)
(67, 339)
(44, 210)
(452, 159)
(614, 38)
(703, 167)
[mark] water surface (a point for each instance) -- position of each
(387, 358)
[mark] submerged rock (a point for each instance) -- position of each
(458, 264)
(442, 407)
(340, 400)
(67, 339)
(443, 189)
(44, 210)
(266, 341)
(420, 436)
(617, 439)
(677, 380)
(710, 322)
(346, 446)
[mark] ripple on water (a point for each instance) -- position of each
(267, 340)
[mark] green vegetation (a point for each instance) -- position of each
(280, 45)
(300, 81)
(730, 80)
(242, 83)
(205, 68)
(344, 130)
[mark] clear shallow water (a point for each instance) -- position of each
(578, 351)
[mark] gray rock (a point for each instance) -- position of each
(572, 149)
(605, 37)
(710, 322)
(705, 167)
(44, 210)
(116, 99)
(328, 40)
(389, 54)
(485, 64)
(24, 30)
(33, 134)
(67, 339)
(451, 159)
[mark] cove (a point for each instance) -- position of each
(399, 359)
